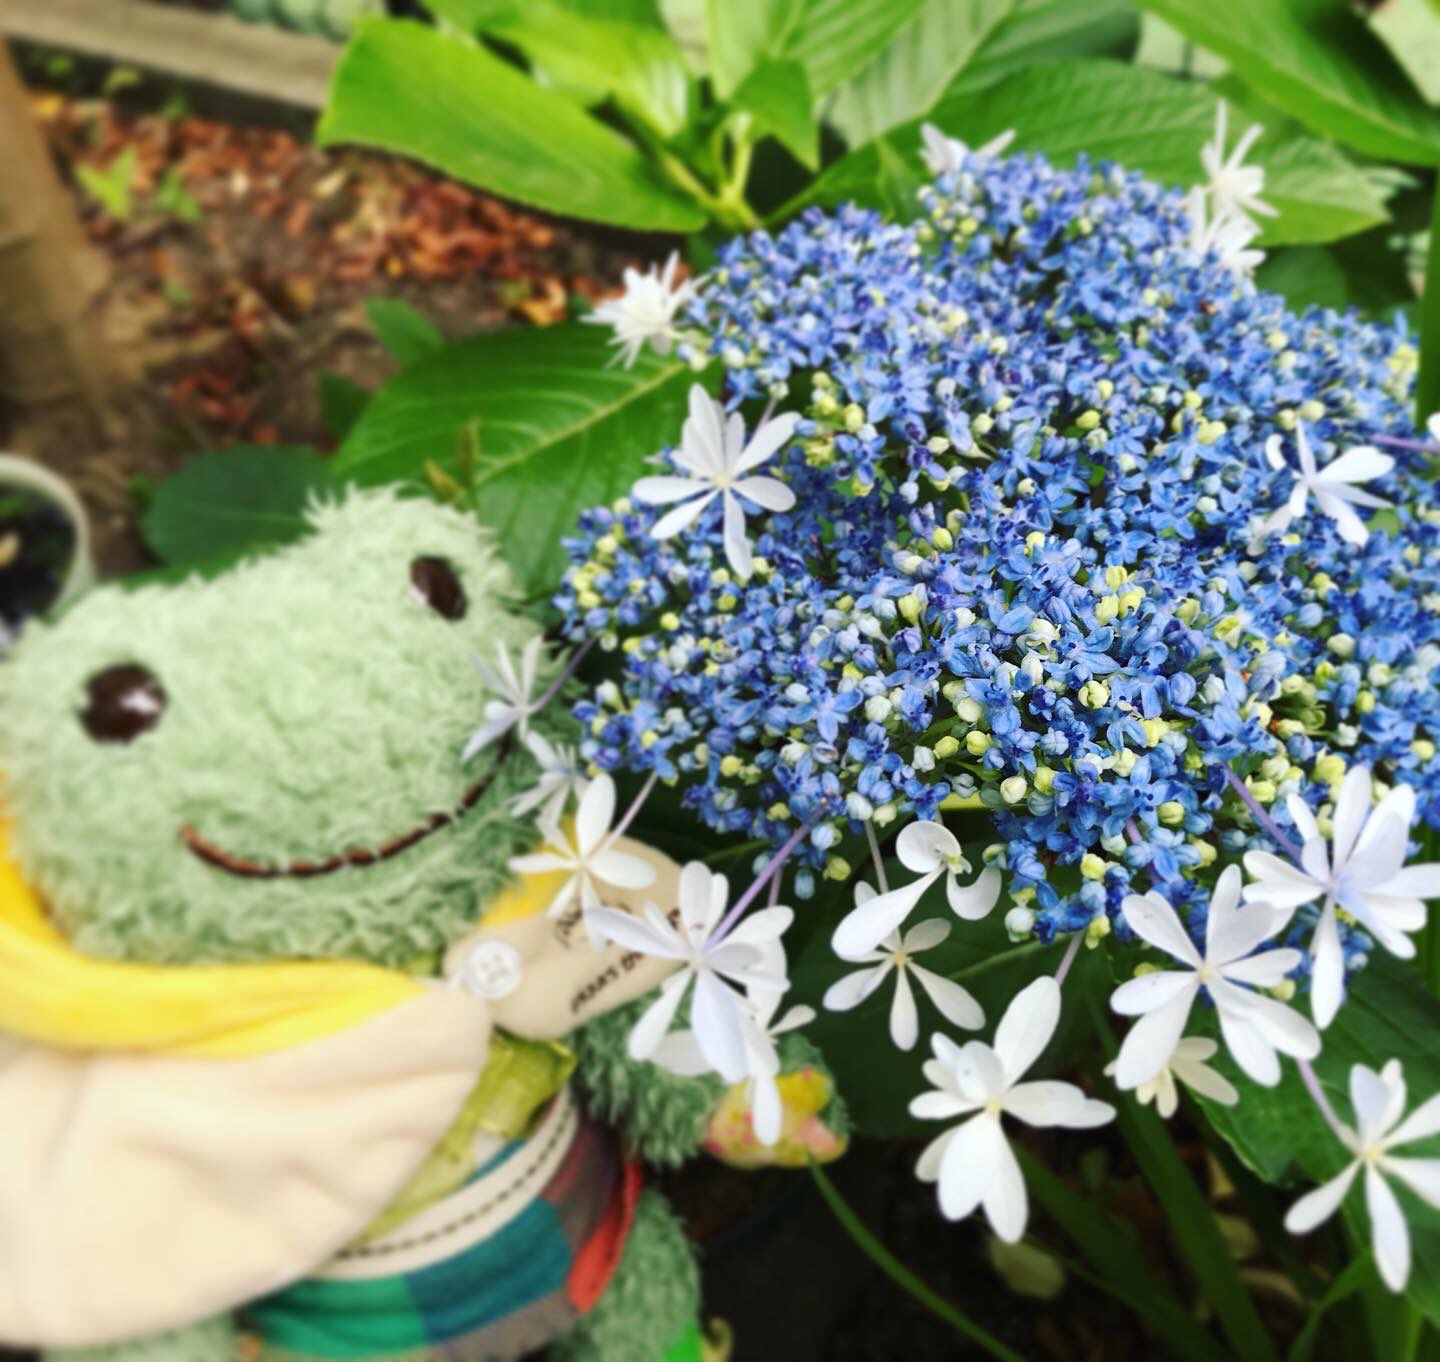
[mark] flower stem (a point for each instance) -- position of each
(1271, 827)
(1132, 832)
(901, 1275)
(880, 881)
(1396, 442)
(566, 672)
(1071, 951)
(1317, 1095)
(634, 810)
(772, 867)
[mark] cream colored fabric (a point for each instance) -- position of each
(562, 981)
(142, 1192)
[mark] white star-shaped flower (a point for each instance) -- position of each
(1187, 1064)
(1228, 237)
(973, 1162)
(719, 1016)
(1334, 485)
(1432, 426)
(714, 453)
(560, 777)
(1254, 1026)
(897, 954)
(645, 312)
(515, 689)
(590, 859)
(680, 1051)
(930, 850)
(1364, 872)
(945, 155)
(1234, 187)
(1379, 1103)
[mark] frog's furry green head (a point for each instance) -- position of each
(268, 764)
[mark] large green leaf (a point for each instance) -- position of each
(743, 34)
(1318, 61)
(1037, 31)
(1281, 1135)
(908, 77)
(557, 428)
(1304, 276)
(449, 102)
(406, 333)
(234, 501)
(588, 56)
(777, 93)
(1145, 120)
(1427, 390)
(831, 39)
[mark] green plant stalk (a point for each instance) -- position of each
(1346, 1284)
(1191, 1220)
(1115, 1257)
(906, 1280)
(1427, 388)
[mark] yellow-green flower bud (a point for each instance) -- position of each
(1107, 608)
(977, 743)
(1044, 779)
(1012, 789)
(1342, 645)
(947, 747)
(1093, 867)
(1094, 695)
(1172, 813)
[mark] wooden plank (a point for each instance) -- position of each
(214, 49)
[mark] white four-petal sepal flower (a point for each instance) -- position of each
(930, 850)
(1379, 1103)
(717, 461)
(1363, 872)
(1335, 487)
(973, 1162)
(560, 777)
(719, 1016)
(645, 312)
(945, 155)
(896, 955)
(514, 706)
(1227, 237)
(1187, 1064)
(589, 857)
(1254, 1026)
(1233, 186)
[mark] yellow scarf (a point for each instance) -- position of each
(52, 994)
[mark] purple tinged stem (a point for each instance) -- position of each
(1275, 832)
(772, 868)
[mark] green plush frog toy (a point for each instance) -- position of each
(286, 1047)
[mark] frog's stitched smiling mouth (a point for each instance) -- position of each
(247, 869)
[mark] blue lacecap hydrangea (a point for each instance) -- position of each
(1025, 544)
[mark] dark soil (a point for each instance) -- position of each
(239, 270)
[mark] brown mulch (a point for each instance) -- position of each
(240, 273)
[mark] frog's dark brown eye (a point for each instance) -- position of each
(124, 702)
(433, 582)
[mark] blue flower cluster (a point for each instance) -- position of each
(1026, 569)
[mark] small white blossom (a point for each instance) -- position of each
(1334, 485)
(1234, 187)
(1432, 425)
(515, 689)
(1228, 237)
(946, 155)
(560, 777)
(930, 850)
(1186, 1063)
(897, 954)
(680, 1052)
(1254, 1026)
(1379, 1103)
(720, 1017)
(714, 452)
(1364, 872)
(645, 312)
(973, 1162)
(592, 859)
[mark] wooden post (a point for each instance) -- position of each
(51, 349)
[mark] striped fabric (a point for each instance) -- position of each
(499, 1268)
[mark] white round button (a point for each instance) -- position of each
(492, 970)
